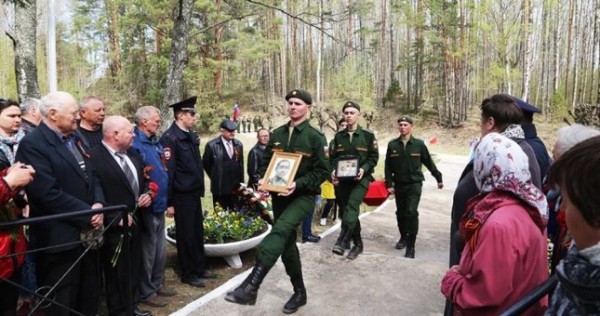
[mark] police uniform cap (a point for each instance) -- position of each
(228, 125)
(185, 105)
(526, 107)
(407, 119)
(350, 104)
(300, 94)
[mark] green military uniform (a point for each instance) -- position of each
(403, 173)
(351, 193)
(243, 121)
(290, 211)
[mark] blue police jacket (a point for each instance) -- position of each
(152, 153)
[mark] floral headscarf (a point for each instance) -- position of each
(501, 165)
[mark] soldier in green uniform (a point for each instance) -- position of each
(290, 208)
(243, 121)
(404, 179)
(354, 142)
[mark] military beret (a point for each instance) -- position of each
(405, 118)
(300, 94)
(185, 105)
(350, 104)
(526, 107)
(228, 125)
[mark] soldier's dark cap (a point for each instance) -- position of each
(406, 119)
(228, 125)
(526, 107)
(350, 104)
(185, 105)
(300, 94)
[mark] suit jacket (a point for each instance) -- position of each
(254, 161)
(59, 186)
(225, 173)
(114, 182)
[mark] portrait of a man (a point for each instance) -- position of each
(281, 173)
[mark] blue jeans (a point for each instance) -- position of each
(307, 223)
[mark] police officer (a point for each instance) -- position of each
(354, 142)
(403, 177)
(291, 207)
(186, 185)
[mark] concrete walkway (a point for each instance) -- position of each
(379, 282)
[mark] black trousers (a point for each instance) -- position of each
(51, 267)
(225, 201)
(189, 235)
(10, 294)
(116, 285)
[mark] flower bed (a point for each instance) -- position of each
(229, 232)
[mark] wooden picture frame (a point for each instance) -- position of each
(281, 171)
(347, 167)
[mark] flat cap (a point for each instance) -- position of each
(351, 104)
(185, 105)
(526, 106)
(405, 118)
(300, 94)
(228, 125)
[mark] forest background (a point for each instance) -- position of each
(437, 58)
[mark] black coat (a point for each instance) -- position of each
(114, 183)
(225, 173)
(59, 186)
(184, 164)
(254, 161)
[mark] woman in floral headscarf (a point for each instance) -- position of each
(503, 227)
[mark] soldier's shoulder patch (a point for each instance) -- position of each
(316, 129)
(282, 127)
(167, 153)
(375, 145)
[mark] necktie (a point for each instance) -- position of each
(70, 143)
(128, 174)
(229, 149)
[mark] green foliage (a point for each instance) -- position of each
(559, 106)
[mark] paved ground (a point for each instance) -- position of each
(379, 282)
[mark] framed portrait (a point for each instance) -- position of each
(281, 171)
(347, 167)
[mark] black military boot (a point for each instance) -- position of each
(410, 246)
(401, 244)
(245, 294)
(298, 298)
(358, 245)
(342, 240)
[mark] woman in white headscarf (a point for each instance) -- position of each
(503, 227)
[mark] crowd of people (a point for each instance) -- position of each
(512, 204)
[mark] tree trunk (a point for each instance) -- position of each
(114, 46)
(597, 49)
(25, 50)
(420, 51)
(527, 48)
(320, 55)
(178, 57)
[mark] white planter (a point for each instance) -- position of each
(231, 250)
